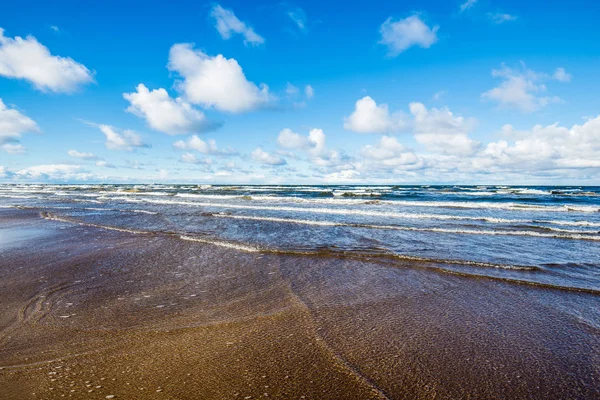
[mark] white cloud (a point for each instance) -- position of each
(190, 158)
(216, 82)
(13, 148)
(82, 155)
(267, 158)
(30, 60)
(500, 18)
(313, 146)
(562, 75)
(546, 147)
(314, 143)
(441, 131)
(400, 35)
(438, 95)
(194, 143)
(389, 153)
(298, 16)
(309, 91)
(62, 172)
(104, 164)
(54, 28)
(521, 89)
(12, 125)
(291, 90)
(291, 140)
(164, 114)
(227, 24)
(347, 175)
(467, 4)
(368, 117)
(127, 140)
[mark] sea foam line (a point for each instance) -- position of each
(221, 243)
(343, 211)
(254, 249)
(52, 217)
(576, 235)
(412, 203)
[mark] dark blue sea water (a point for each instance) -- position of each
(541, 235)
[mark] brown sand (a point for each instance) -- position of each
(89, 313)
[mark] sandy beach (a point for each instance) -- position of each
(93, 313)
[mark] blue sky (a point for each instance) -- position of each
(484, 91)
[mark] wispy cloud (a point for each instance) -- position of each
(500, 18)
(227, 24)
(467, 4)
(298, 16)
(523, 88)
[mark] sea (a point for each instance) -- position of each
(547, 236)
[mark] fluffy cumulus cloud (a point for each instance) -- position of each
(215, 82)
(403, 34)
(313, 147)
(265, 158)
(388, 153)
(368, 117)
(28, 59)
(228, 24)
(523, 88)
(12, 125)
(82, 155)
(126, 140)
(194, 143)
(165, 114)
(314, 143)
(551, 147)
(441, 131)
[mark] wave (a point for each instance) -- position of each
(230, 245)
(254, 249)
(142, 212)
(344, 211)
(510, 206)
(416, 261)
(574, 235)
(53, 217)
(331, 195)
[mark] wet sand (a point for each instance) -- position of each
(89, 313)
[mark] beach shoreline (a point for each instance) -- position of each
(90, 312)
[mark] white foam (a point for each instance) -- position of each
(338, 199)
(52, 217)
(564, 234)
(144, 212)
(220, 243)
(343, 211)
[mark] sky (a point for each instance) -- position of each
(313, 92)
